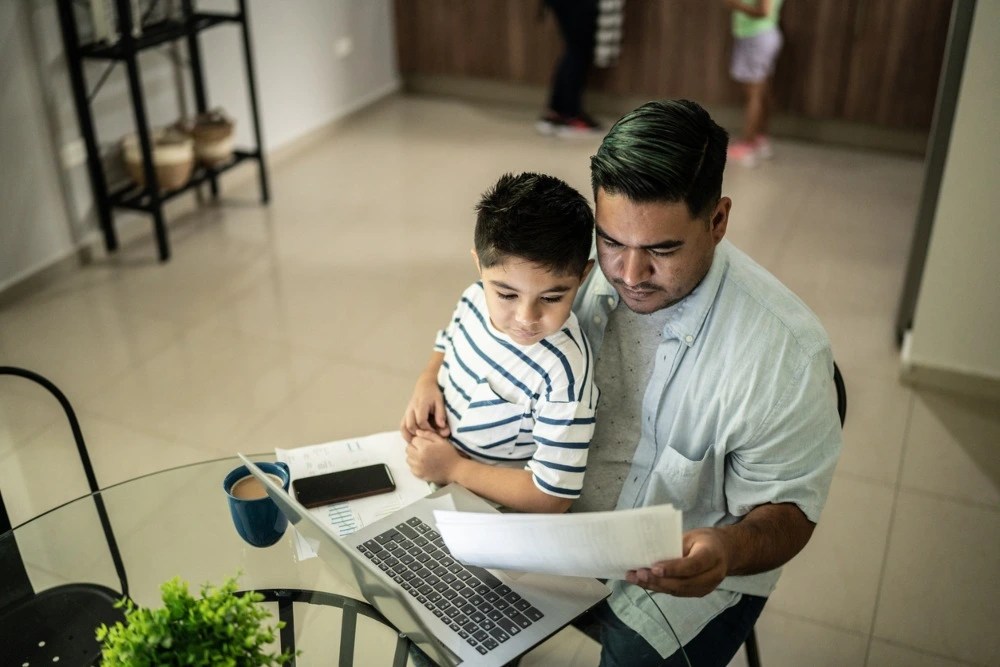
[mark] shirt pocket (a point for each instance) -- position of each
(688, 484)
(490, 423)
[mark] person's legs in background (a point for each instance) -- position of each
(577, 21)
(755, 120)
(752, 66)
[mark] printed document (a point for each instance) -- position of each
(588, 544)
(347, 517)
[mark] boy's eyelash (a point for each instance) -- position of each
(661, 253)
(546, 299)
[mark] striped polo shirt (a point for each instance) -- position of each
(519, 405)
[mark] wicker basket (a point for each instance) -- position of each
(213, 137)
(173, 158)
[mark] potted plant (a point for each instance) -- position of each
(220, 628)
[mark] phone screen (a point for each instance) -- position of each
(335, 487)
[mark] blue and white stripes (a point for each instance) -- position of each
(519, 405)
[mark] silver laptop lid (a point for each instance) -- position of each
(391, 601)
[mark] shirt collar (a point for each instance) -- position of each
(687, 316)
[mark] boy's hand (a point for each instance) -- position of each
(425, 410)
(431, 457)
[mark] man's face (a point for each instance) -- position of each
(527, 301)
(655, 253)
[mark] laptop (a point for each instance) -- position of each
(456, 614)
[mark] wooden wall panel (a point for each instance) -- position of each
(672, 49)
(874, 61)
(895, 62)
(811, 71)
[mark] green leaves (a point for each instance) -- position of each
(219, 628)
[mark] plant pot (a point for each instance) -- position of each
(213, 137)
(173, 158)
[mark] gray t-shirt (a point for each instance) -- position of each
(623, 369)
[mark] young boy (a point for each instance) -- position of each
(506, 404)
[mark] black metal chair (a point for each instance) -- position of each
(56, 624)
(753, 653)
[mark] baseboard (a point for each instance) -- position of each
(607, 106)
(342, 115)
(952, 380)
(47, 273)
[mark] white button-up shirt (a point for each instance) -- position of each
(740, 410)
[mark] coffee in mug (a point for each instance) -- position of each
(251, 488)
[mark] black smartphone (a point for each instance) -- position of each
(335, 487)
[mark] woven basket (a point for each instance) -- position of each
(213, 137)
(173, 158)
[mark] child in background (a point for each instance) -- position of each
(506, 404)
(757, 41)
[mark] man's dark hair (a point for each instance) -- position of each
(534, 217)
(669, 151)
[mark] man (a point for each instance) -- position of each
(717, 393)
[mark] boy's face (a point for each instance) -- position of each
(526, 300)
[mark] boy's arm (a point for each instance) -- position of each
(510, 487)
(757, 8)
(426, 407)
(435, 459)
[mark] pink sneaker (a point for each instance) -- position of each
(742, 152)
(762, 145)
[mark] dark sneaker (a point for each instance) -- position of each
(579, 126)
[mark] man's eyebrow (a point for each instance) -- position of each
(554, 288)
(662, 245)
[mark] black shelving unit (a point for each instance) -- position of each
(150, 199)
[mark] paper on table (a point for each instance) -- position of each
(588, 544)
(347, 517)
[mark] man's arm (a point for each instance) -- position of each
(766, 538)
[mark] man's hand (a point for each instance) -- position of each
(703, 566)
(431, 457)
(766, 538)
(425, 411)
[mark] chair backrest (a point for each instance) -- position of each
(11, 563)
(838, 381)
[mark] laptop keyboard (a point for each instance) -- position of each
(471, 601)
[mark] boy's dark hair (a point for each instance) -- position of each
(534, 217)
(670, 151)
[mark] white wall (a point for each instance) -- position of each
(302, 85)
(956, 326)
(34, 226)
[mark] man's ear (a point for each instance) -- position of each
(720, 218)
(586, 269)
(475, 260)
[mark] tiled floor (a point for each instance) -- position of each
(308, 320)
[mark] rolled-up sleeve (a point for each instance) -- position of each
(562, 435)
(792, 455)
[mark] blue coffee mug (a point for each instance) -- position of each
(257, 519)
